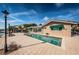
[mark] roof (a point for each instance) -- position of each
(35, 27)
(61, 21)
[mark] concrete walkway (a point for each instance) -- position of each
(32, 46)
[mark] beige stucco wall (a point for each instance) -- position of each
(64, 33)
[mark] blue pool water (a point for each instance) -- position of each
(49, 39)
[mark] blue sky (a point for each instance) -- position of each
(38, 13)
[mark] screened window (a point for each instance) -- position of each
(57, 27)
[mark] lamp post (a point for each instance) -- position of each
(5, 12)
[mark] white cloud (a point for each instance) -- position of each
(72, 15)
(16, 19)
(74, 12)
(52, 18)
(45, 18)
(13, 20)
(59, 4)
(33, 11)
(20, 13)
(65, 17)
(24, 13)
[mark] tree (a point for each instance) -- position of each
(21, 28)
(40, 24)
(10, 28)
(29, 25)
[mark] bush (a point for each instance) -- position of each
(13, 46)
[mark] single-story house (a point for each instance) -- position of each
(58, 28)
(34, 29)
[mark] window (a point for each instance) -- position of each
(57, 27)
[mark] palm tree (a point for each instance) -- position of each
(10, 29)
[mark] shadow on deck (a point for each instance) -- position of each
(33, 44)
(14, 47)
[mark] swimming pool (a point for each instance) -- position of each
(53, 40)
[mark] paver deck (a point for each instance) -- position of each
(32, 46)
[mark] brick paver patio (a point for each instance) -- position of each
(32, 46)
